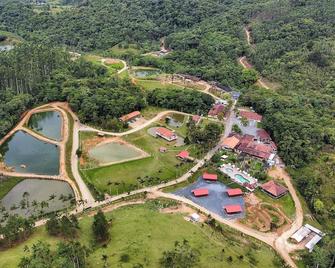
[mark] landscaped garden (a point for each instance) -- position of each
(144, 225)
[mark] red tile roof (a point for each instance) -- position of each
(165, 132)
(200, 192)
(273, 188)
(260, 150)
(196, 118)
(183, 154)
(233, 209)
(263, 135)
(210, 177)
(216, 109)
(234, 192)
(251, 115)
(130, 116)
(230, 142)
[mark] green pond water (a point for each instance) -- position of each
(37, 156)
(113, 151)
(57, 194)
(141, 73)
(49, 124)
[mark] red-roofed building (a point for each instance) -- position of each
(216, 110)
(231, 209)
(273, 189)
(166, 134)
(263, 136)
(129, 117)
(183, 155)
(251, 116)
(196, 119)
(200, 192)
(234, 192)
(210, 177)
(249, 146)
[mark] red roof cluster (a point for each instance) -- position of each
(274, 189)
(210, 177)
(263, 135)
(183, 154)
(251, 115)
(200, 192)
(216, 109)
(130, 116)
(234, 192)
(249, 146)
(230, 209)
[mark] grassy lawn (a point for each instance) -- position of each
(151, 111)
(157, 168)
(152, 84)
(7, 184)
(112, 68)
(286, 202)
(12, 38)
(144, 234)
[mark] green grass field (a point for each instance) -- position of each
(144, 234)
(12, 38)
(6, 184)
(112, 68)
(152, 170)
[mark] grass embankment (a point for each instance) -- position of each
(7, 184)
(142, 233)
(157, 168)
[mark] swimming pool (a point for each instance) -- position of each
(241, 178)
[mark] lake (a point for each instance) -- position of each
(141, 73)
(49, 124)
(56, 193)
(26, 154)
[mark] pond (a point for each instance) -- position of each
(26, 154)
(57, 194)
(114, 152)
(141, 73)
(174, 121)
(49, 124)
(6, 47)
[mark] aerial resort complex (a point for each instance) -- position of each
(167, 134)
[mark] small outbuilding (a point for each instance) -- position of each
(273, 189)
(210, 177)
(195, 217)
(232, 209)
(234, 192)
(183, 155)
(131, 116)
(200, 192)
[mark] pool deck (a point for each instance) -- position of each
(216, 200)
(232, 171)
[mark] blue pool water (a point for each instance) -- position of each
(241, 178)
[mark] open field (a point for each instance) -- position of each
(156, 168)
(98, 60)
(12, 38)
(6, 184)
(143, 233)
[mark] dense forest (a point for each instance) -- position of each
(292, 45)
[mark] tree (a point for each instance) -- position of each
(100, 227)
(236, 129)
(182, 256)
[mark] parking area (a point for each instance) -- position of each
(216, 200)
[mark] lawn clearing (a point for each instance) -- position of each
(157, 168)
(7, 184)
(143, 233)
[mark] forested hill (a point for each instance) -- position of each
(105, 23)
